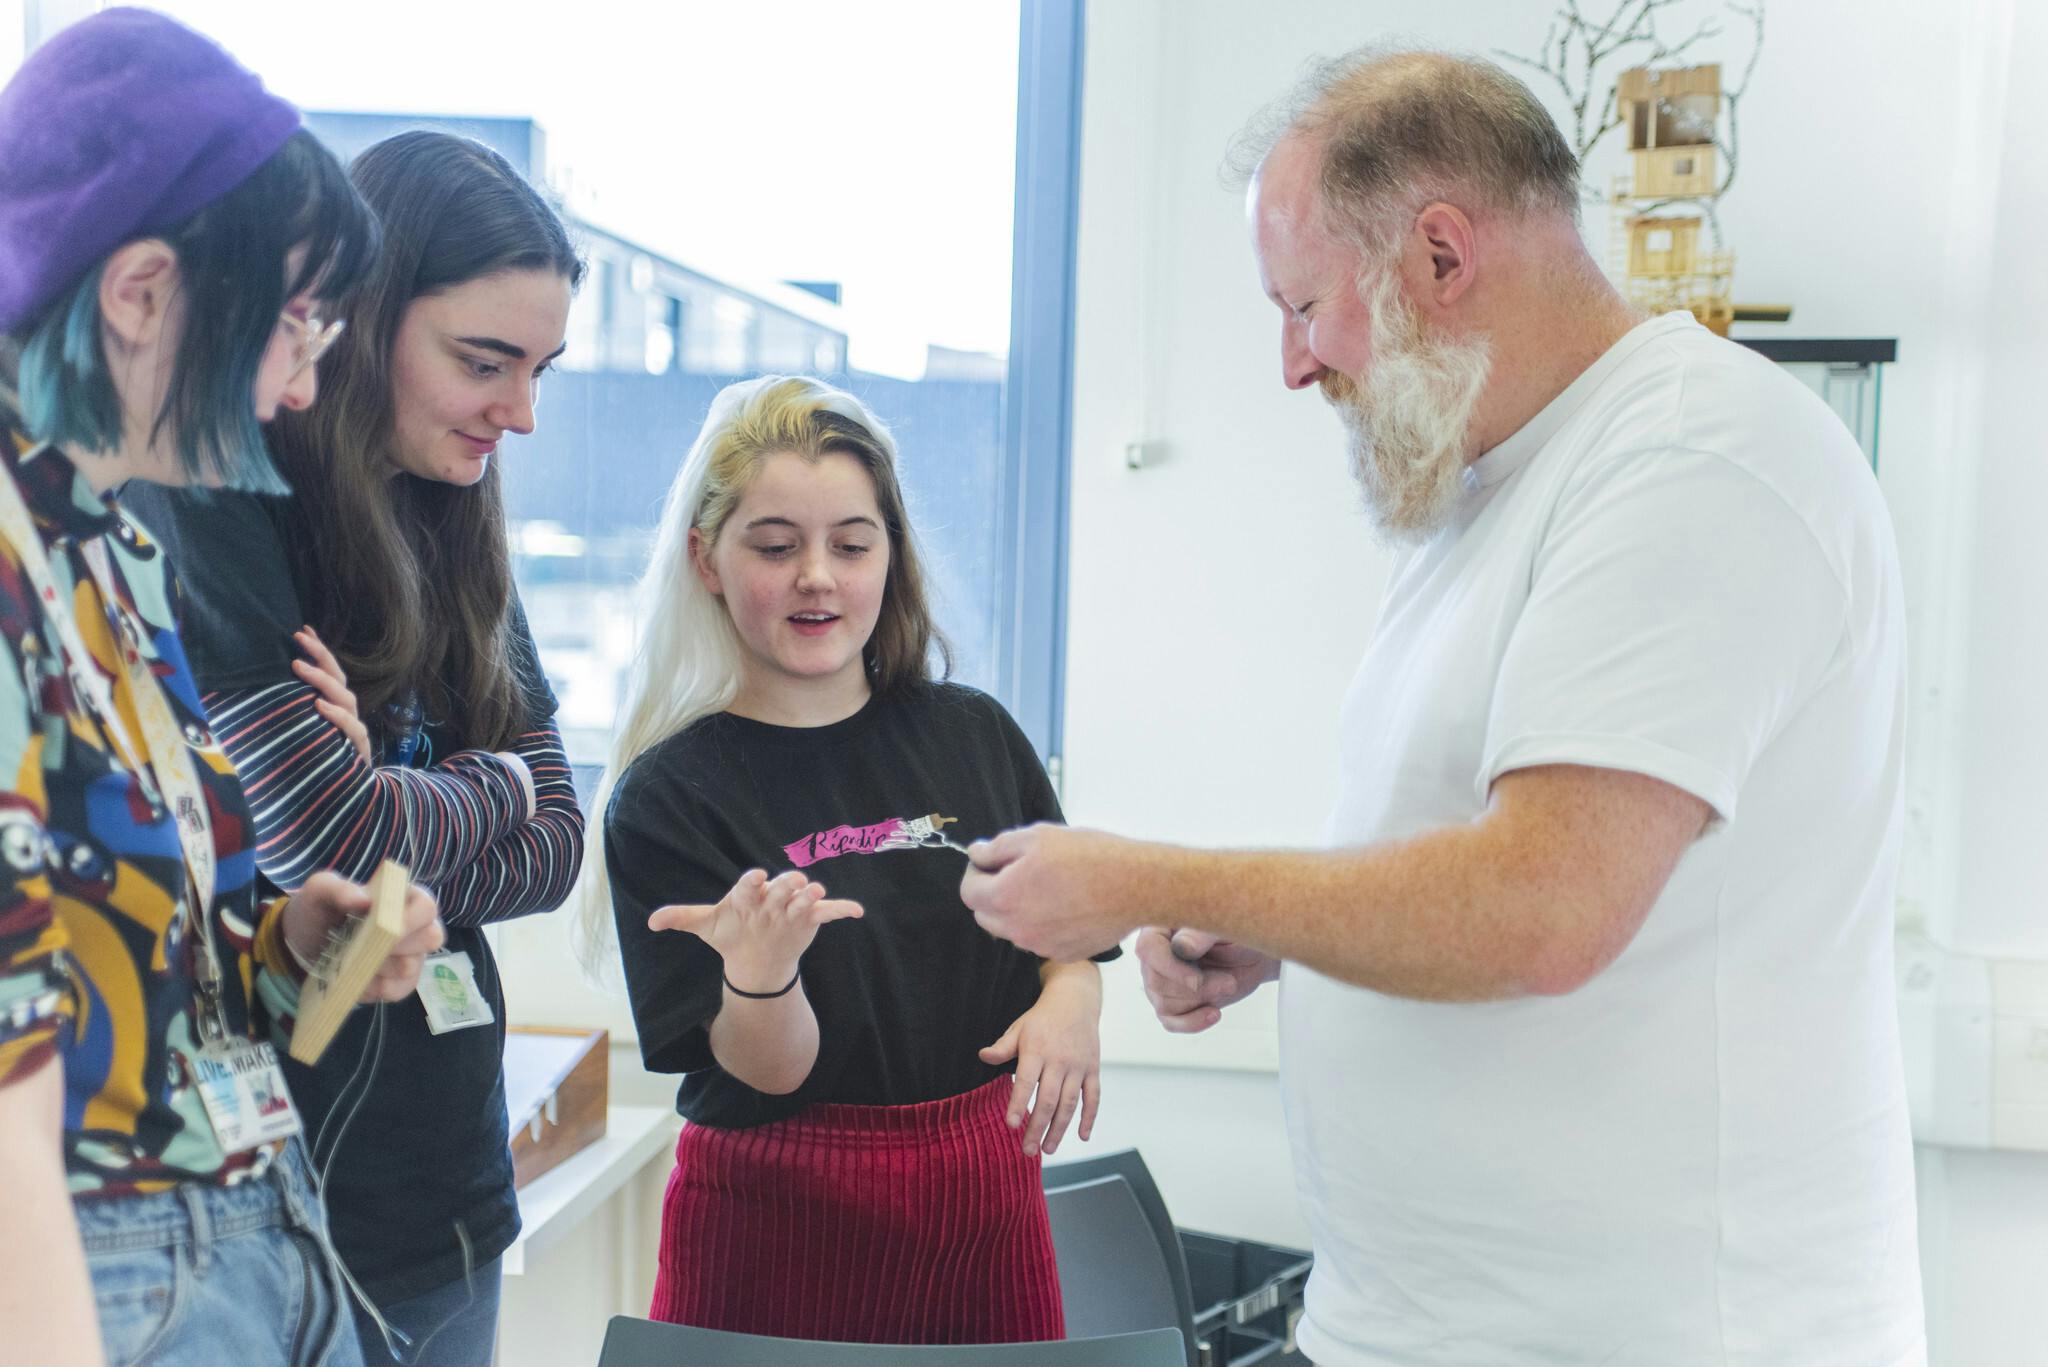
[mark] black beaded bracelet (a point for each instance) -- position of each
(782, 991)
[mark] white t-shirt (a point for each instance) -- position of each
(1682, 568)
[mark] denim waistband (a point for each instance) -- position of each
(199, 1213)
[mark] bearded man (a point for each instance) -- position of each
(1588, 1045)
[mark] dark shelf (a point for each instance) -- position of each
(1840, 350)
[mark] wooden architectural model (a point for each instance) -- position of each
(1655, 251)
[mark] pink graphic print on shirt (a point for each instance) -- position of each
(897, 833)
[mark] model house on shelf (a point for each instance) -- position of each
(1655, 254)
(1662, 248)
(1670, 118)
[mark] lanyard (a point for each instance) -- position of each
(165, 767)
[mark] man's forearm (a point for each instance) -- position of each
(1429, 917)
(1535, 896)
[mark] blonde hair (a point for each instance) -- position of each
(686, 665)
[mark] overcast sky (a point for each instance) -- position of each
(870, 143)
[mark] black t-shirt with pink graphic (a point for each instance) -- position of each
(906, 995)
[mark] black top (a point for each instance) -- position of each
(906, 995)
(429, 1145)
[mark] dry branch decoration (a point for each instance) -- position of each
(1577, 55)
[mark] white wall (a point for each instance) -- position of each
(1890, 185)
(2000, 869)
(1992, 1254)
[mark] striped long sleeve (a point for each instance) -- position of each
(459, 825)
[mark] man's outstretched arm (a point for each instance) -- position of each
(1535, 897)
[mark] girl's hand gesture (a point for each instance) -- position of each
(1058, 1048)
(329, 682)
(761, 928)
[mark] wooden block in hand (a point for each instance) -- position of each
(360, 946)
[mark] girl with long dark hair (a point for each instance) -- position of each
(393, 705)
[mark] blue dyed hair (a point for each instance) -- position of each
(65, 390)
(232, 260)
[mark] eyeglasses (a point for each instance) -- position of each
(314, 339)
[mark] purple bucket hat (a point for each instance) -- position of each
(121, 125)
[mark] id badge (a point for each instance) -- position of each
(242, 1087)
(449, 992)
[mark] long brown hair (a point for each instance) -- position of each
(409, 580)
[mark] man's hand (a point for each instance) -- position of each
(1053, 890)
(328, 899)
(1190, 977)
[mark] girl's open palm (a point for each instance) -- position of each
(763, 923)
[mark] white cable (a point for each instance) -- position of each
(373, 1055)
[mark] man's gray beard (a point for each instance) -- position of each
(1409, 420)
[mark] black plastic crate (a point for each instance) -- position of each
(1247, 1299)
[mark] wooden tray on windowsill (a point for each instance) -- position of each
(557, 1084)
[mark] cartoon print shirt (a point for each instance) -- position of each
(95, 962)
(906, 995)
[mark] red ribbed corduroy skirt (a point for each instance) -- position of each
(862, 1224)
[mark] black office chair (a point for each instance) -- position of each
(629, 1342)
(1112, 1278)
(1130, 1165)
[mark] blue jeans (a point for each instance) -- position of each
(451, 1326)
(203, 1275)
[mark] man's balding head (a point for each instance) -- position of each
(1415, 219)
(1393, 131)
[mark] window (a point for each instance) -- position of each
(586, 322)
(13, 35)
(843, 201)
(664, 333)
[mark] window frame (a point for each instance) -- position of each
(1031, 629)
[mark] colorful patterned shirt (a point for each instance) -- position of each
(96, 964)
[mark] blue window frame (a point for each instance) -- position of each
(1038, 404)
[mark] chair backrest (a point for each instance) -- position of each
(1129, 1164)
(630, 1342)
(1112, 1277)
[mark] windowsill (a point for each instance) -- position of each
(561, 1198)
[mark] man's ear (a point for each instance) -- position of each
(136, 288)
(1443, 252)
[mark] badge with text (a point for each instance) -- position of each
(241, 1085)
(449, 992)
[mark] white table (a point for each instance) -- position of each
(560, 1198)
